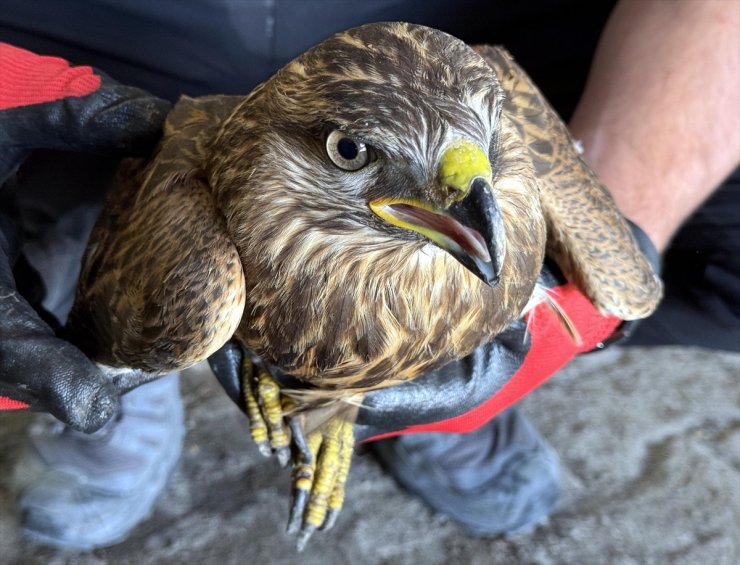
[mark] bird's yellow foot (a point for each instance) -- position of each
(321, 459)
(320, 472)
(266, 408)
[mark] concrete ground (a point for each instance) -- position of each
(650, 446)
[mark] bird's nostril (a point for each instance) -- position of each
(450, 192)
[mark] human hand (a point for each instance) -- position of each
(45, 103)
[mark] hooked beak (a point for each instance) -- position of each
(471, 228)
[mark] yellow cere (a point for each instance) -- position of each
(462, 162)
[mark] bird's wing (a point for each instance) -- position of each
(587, 236)
(161, 285)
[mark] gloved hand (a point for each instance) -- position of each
(466, 394)
(45, 103)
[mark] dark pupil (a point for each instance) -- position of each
(347, 148)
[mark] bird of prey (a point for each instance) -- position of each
(378, 208)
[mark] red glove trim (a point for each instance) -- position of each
(27, 78)
(10, 404)
(551, 349)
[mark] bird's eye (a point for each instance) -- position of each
(346, 152)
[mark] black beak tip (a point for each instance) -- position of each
(479, 210)
(492, 229)
(493, 281)
(484, 270)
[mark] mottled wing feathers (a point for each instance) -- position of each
(587, 236)
(162, 285)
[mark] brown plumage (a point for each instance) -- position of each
(242, 224)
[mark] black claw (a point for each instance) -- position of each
(299, 439)
(283, 456)
(304, 536)
(265, 449)
(331, 519)
(300, 500)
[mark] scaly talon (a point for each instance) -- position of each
(336, 499)
(265, 408)
(303, 477)
(268, 393)
(257, 426)
(319, 484)
(321, 458)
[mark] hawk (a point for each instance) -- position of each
(378, 208)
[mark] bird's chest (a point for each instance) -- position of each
(363, 324)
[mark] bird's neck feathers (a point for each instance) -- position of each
(344, 306)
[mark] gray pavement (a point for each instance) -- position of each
(650, 446)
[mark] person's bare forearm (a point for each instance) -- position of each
(660, 116)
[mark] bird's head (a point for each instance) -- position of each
(385, 134)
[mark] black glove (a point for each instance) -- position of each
(47, 104)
